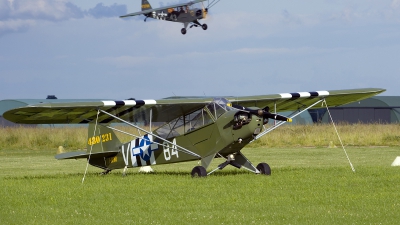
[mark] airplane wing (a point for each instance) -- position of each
(298, 100)
(162, 8)
(165, 110)
(85, 112)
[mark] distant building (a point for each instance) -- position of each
(378, 109)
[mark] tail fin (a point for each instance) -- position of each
(145, 5)
(103, 139)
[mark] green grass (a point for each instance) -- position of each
(307, 186)
(73, 138)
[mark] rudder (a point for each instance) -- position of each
(103, 139)
(145, 5)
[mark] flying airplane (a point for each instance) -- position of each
(193, 129)
(187, 13)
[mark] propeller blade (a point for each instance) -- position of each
(276, 117)
(264, 113)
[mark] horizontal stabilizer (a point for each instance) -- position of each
(84, 154)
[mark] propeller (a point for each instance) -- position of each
(209, 6)
(264, 113)
(205, 11)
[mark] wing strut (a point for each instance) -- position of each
(282, 122)
(91, 146)
(179, 148)
(345, 152)
(214, 2)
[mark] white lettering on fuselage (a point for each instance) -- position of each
(170, 150)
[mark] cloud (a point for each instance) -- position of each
(100, 11)
(15, 26)
(55, 10)
(40, 10)
(20, 15)
(395, 4)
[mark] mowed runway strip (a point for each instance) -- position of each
(307, 186)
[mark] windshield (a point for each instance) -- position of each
(219, 106)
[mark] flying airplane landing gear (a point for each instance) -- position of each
(183, 31)
(194, 24)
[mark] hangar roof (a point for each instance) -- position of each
(376, 101)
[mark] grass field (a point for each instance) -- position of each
(307, 186)
(73, 138)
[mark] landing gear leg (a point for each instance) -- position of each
(105, 172)
(204, 26)
(229, 161)
(185, 25)
(239, 161)
(195, 23)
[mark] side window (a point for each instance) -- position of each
(197, 119)
(171, 129)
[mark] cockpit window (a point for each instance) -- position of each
(219, 106)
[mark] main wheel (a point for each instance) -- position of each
(199, 171)
(204, 26)
(183, 31)
(264, 168)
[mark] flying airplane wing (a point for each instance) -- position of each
(162, 8)
(165, 110)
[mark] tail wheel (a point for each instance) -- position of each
(204, 26)
(183, 31)
(264, 168)
(199, 171)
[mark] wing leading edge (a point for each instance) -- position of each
(165, 110)
(298, 100)
(86, 112)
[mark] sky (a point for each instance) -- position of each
(83, 50)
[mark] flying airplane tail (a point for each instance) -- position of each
(102, 139)
(145, 5)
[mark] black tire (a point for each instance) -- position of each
(183, 31)
(204, 26)
(264, 168)
(199, 171)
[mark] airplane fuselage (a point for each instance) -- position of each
(178, 15)
(223, 136)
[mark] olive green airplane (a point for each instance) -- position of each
(190, 128)
(187, 13)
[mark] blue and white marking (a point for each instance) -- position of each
(141, 151)
(145, 150)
